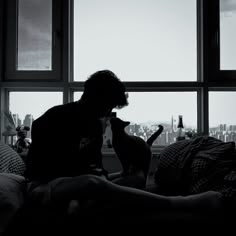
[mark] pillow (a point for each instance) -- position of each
(10, 161)
(12, 189)
(167, 174)
(183, 162)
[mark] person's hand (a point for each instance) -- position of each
(41, 195)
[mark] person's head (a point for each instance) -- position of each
(104, 91)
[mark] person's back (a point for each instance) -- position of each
(65, 142)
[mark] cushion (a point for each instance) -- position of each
(167, 170)
(183, 164)
(12, 189)
(10, 161)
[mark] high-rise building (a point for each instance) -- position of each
(28, 120)
(225, 127)
(16, 119)
(232, 128)
(172, 124)
(221, 127)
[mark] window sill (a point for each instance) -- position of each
(110, 151)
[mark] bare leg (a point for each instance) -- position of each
(96, 188)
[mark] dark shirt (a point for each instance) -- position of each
(66, 141)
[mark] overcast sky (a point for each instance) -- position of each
(152, 40)
(34, 35)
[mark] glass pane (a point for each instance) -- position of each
(146, 110)
(222, 122)
(227, 35)
(77, 95)
(35, 35)
(139, 40)
(28, 106)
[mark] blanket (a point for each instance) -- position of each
(197, 165)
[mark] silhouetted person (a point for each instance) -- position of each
(67, 139)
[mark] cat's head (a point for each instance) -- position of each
(118, 124)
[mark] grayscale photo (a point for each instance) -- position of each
(117, 115)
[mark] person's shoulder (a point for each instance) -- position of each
(51, 113)
(62, 108)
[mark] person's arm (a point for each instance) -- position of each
(115, 175)
(91, 187)
(135, 179)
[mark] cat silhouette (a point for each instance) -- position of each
(133, 152)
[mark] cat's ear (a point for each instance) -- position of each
(126, 123)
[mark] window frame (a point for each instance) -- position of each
(31, 89)
(2, 21)
(11, 46)
(221, 89)
(211, 16)
(208, 77)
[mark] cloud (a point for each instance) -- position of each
(227, 5)
(34, 25)
(37, 13)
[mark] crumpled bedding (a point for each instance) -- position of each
(12, 189)
(197, 165)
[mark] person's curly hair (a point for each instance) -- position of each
(105, 86)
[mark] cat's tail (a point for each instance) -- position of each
(155, 135)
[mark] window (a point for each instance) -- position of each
(33, 40)
(227, 35)
(33, 104)
(220, 49)
(147, 110)
(139, 40)
(222, 115)
(25, 107)
(1, 38)
(175, 57)
(155, 41)
(76, 96)
(34, 35)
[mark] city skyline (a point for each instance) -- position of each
(142, 107)
(224, 132)
(171, 124)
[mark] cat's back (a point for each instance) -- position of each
(131, 143)
(125, 143)
(135, 140)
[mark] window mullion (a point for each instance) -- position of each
(203, 110)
